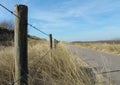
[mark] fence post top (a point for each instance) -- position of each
(50, 34)
(20, 5)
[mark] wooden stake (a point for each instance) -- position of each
(51, 43)
(20, 38)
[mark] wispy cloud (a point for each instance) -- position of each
(79, 17)
(86, 11)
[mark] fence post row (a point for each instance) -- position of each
(20, 38)
(51, 43)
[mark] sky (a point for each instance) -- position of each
(70, 20)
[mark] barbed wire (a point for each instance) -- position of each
(9, 10)
(38, 29)
(27, 23)
(42, 57)
(13, 82)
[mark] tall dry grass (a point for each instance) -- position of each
(57, 67)
(105, 47)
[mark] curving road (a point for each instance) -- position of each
(106, 64)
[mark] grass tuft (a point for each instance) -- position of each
(57, 67)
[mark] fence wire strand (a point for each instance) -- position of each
(13, 82)
(27, 23)
(42, 57)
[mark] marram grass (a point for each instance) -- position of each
(57, 67)
(105, 47)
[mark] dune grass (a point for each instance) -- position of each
(46, 67)
(105, 47)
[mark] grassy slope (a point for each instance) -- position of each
(113, 48)
(62, 68)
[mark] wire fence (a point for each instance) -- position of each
(27, 23)
(38, 29)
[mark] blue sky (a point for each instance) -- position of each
(71, 20)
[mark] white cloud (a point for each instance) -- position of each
(76, 10)
(70, 14)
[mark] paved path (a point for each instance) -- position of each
(106, 64)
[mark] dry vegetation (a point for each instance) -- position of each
(113, 48)
(62, 68)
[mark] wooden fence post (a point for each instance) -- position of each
(20, 38)
(55, 43)
(51, 43)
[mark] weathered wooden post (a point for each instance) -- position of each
(55, 43)
(20, 38)
(51, 43)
